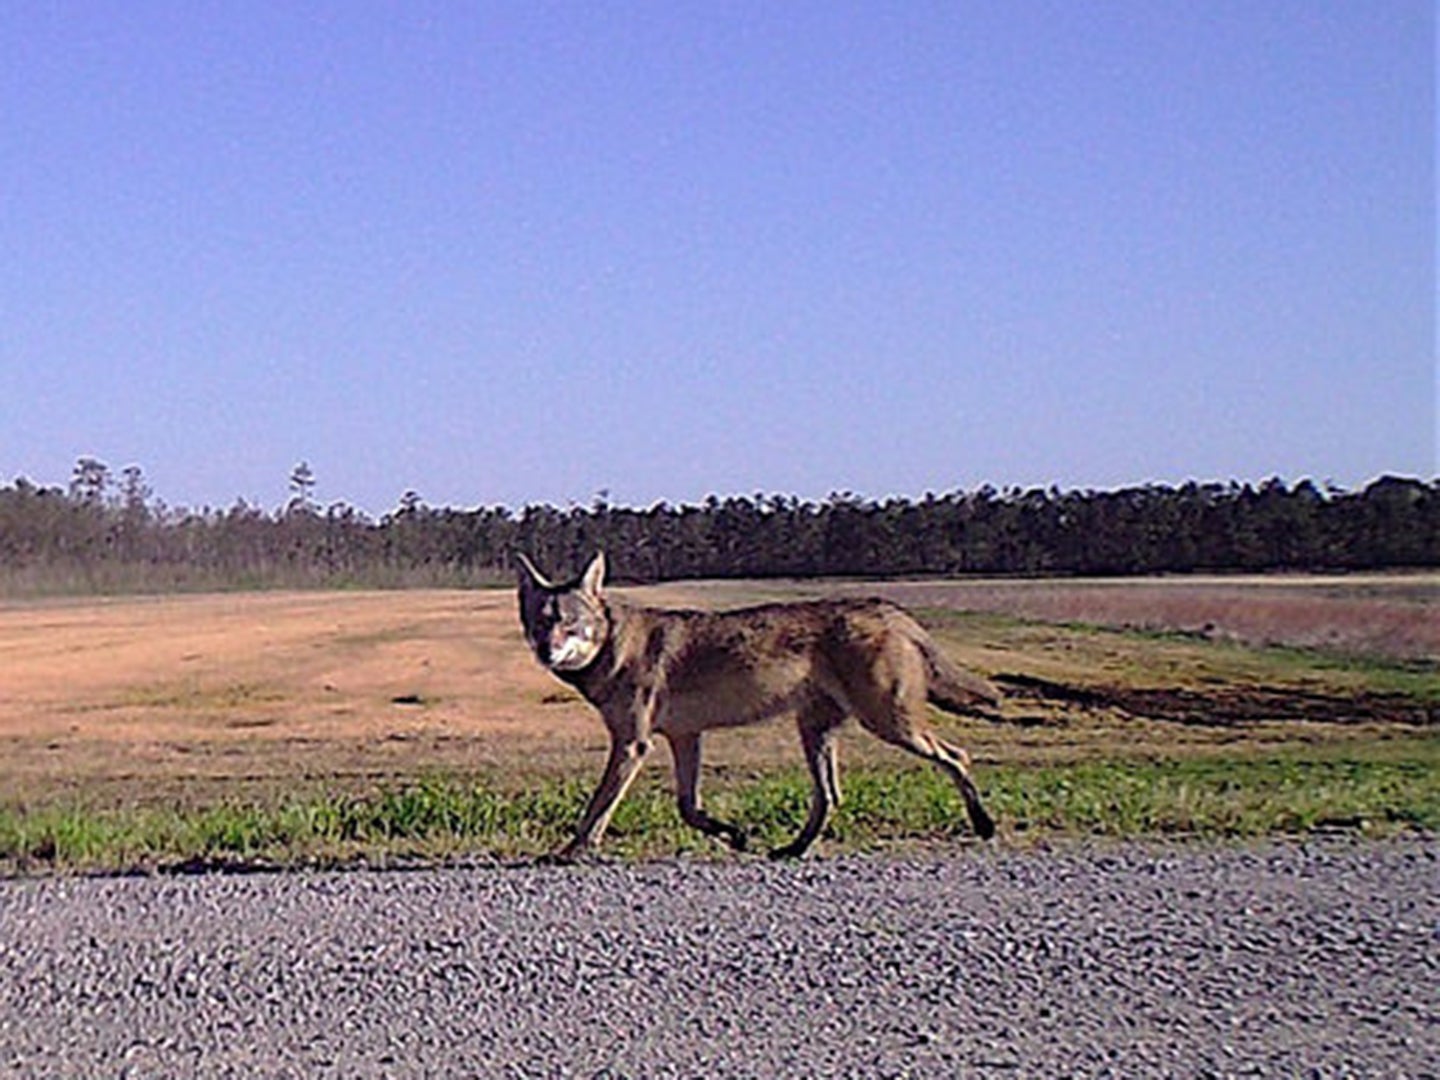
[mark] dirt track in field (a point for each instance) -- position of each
(1228, 706)
(174, 697)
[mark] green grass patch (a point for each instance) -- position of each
(1372, 791)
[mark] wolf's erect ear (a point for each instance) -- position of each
(594, 575)
(529, 575)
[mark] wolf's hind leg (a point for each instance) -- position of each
(817, 735)
(956, 763)
(686, 751)
(892, 707)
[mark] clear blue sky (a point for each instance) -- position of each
(522, 252)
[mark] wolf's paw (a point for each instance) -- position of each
(789, 851)
(984, 825)
(565, 856)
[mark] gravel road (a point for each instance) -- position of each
(1278, 959)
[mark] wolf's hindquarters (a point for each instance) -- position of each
(898, 717)
(951, 687)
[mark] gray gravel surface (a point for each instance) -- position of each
(1279, 959)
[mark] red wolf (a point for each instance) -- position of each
(680, 673)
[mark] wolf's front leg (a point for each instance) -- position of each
(626, 757)
(686, 749)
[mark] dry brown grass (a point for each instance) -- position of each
(190, 698)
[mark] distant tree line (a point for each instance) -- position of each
(109, 533)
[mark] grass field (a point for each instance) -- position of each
(293, 727)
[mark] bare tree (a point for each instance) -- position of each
(90, 481)
(135, 494)
(302, 487)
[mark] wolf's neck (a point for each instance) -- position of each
(596, 680)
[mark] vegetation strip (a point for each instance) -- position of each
(109, 534)
(442, 818)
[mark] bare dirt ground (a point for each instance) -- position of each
(265, 687)
(177, 697)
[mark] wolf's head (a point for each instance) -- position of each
(566, 625)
